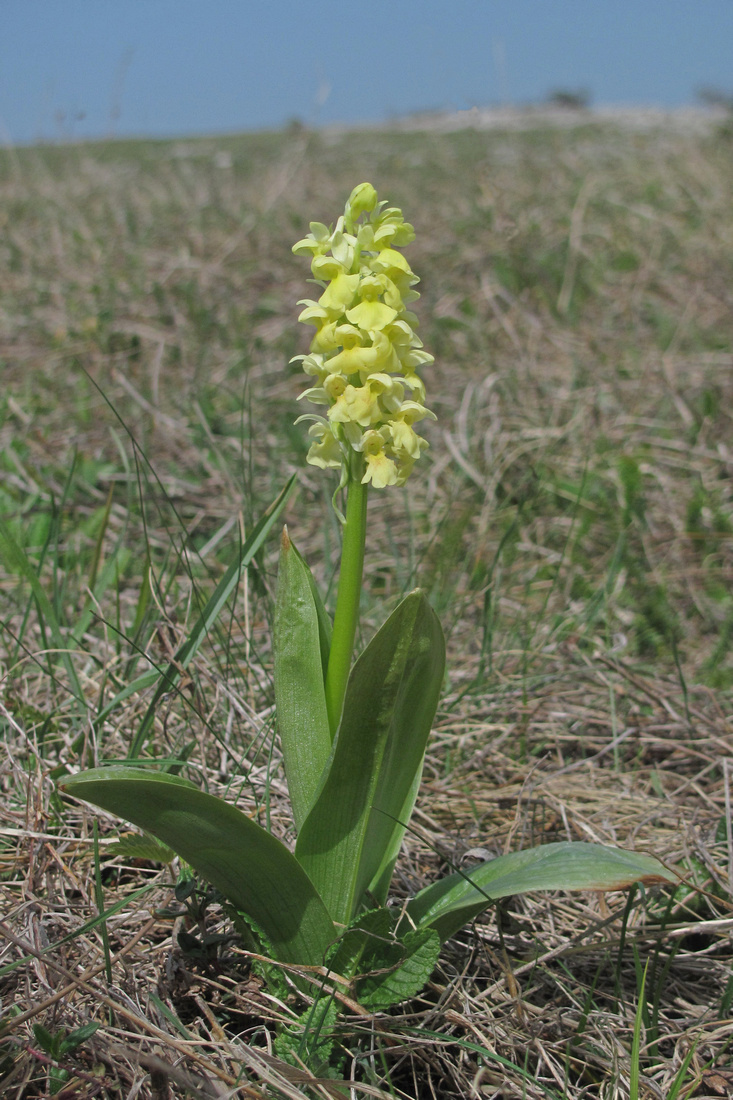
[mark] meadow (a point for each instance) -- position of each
(573, 529)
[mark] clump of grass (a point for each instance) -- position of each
(577, 530)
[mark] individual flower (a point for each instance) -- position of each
(381, 470)
(365, 352)
(325, 451)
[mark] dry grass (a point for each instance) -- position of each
(574, 530)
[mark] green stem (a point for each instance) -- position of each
(346, 617)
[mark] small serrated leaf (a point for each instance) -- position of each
(311, 1038)
(369, 937)
(419, 950)
(385, 970)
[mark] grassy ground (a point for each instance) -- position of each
(573, 527)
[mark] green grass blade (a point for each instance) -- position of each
(389, 707)
(247, 864)
(682, 1073)
(140, 683)
(301, 634)
(634, 1072)
(566, 865)
(143, 602)
(99, 541)
(99, 898)
(209, 615)
(17, 561)
(170, 1016)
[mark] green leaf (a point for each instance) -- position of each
(186, 652)
(375, 926)
(417, 956)
(325, 627)
(388, 710)
(301, 632)
(46, 1040)
(379, 886)
(310, 1039)
(247, 864)
(453, 901)
(75, 1038)
(636, 1039)
(385, 970)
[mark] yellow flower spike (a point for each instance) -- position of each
(392, 230)
(392, 266)
(357, 359)
(390, 261)
(348, 336)
(316, 394)
(405, 439)
(335, 385)
(417, 386)
(367, 404)
(391, 392)
(389, 293)
(365, 351)
(370, 314)
(325, 339)
(313, 314)
(365, 238)
(343, 247)
(370, 287)
(401, 335)
(414, 357)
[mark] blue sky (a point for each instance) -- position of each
(87, 68)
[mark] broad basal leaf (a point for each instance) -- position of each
(247, 864)
(301, 638)
(453, 901)
(388, 710)
(379, 886)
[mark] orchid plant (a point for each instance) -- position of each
(353, 735)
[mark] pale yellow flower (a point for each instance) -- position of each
(326, 450)
(380, 469)
(365, 351)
